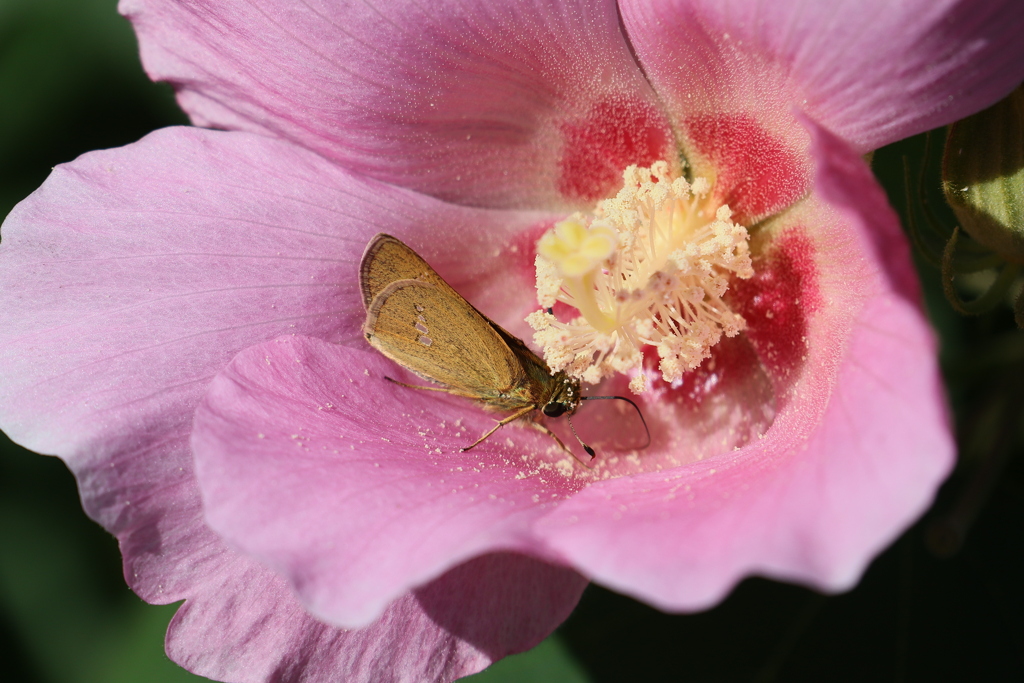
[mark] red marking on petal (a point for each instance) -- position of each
(565, 312)
(777, 302)
(615, 133)
(756, 174)
(727, 372)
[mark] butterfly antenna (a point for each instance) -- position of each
(588, 449)
(621, 398)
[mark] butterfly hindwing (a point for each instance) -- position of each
(438, 335)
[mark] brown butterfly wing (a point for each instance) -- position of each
(388, 260)
(533, 366)
(438, 335)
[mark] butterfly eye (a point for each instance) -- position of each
(554, 409)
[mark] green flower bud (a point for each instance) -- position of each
(983, 176)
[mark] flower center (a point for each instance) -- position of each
(649, 267)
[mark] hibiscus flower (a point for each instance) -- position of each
(181, 318)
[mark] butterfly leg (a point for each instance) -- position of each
(537, 424)
(501, 423)
(418, 386)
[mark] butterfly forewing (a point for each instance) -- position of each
(438, 335)
(387, 260)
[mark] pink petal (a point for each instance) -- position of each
(872, 72)
(525, 103)
(444, 631)
(132, 277)
(855, 454)
(353, 487)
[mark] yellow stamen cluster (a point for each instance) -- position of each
(649, 267)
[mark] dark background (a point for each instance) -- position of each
(944, 603)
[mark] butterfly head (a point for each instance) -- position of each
(565, 397)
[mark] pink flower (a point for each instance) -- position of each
(211, 276)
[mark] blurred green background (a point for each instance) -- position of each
(944, 603)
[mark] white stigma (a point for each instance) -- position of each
(648, 268)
